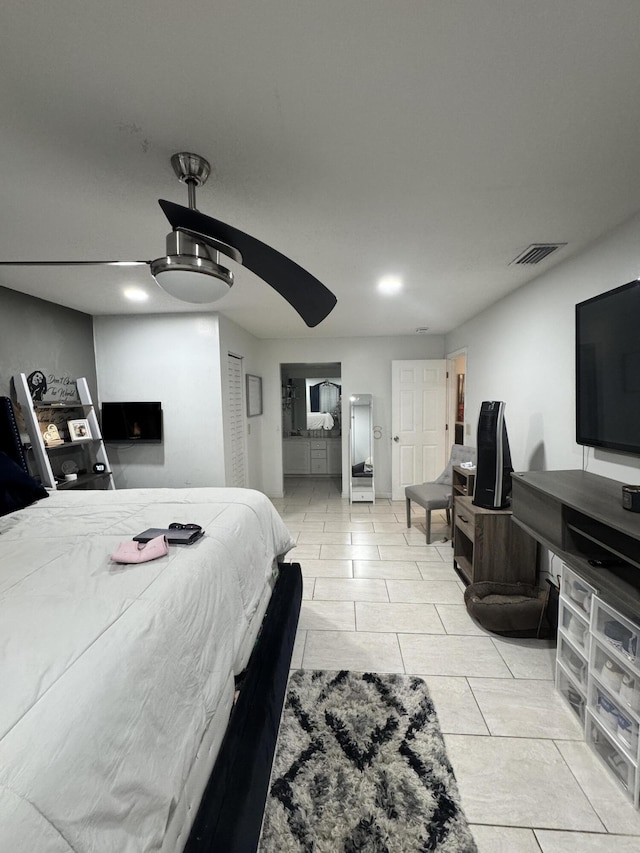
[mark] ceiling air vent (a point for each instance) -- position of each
(537, 252)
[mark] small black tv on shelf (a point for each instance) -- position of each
(127, 423)
(608, 370)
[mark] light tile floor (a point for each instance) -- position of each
(376, 597)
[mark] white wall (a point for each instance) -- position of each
(366, 369)
(180, 359)
(174, 358)
(522, 351)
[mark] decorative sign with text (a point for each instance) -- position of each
(48, 388)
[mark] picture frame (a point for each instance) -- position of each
(254, 395)
(79, 429)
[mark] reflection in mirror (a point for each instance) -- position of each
(361, 448)
(311, 400)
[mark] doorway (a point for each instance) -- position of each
(311, 419)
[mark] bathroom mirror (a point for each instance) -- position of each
(361, 448)
(311, 400)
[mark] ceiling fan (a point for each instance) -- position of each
(190, 270)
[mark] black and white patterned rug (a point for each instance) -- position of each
(361, 766)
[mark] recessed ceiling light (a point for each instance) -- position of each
(390, 284)
(135, 294)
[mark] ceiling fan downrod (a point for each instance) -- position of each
(193, 170)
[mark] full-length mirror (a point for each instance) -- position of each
(361, 448)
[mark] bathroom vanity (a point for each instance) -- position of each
(313, 457)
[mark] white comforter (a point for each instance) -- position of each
(319, 420)
(110, 674)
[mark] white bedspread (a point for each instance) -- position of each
(319, 420)
(110, 674)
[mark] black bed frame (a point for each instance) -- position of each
(229, 819)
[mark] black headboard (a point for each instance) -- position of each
(9, 436)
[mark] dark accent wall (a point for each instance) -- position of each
(38, 335)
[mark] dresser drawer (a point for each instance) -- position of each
(318, 466)
(578, 591)
(319, 444)
(600, 739)
(463, 518)
(616, 632)
(572, 694)
(318, 454)
(573, 660)
(575, 626)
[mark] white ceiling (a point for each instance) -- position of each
(433, 139)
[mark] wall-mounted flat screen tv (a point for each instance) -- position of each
(132, 422)
(608, 369)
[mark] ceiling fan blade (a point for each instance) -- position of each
(74, 263)
(310, 298)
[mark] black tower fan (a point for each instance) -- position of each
(493, 474)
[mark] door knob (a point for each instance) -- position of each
(396, 438)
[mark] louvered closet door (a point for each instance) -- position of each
(236, 420)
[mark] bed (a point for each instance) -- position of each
(319, 420)
(121, 726)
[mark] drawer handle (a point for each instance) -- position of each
(463, 519)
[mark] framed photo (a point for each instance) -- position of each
(254, 395)
(79, 430)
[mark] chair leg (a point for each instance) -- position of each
(428, 526)
(408, 501)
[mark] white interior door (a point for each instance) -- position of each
(418, 423)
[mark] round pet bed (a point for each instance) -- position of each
(512, 609)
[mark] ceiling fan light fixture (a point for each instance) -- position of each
(190, 270)
(191, 279)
